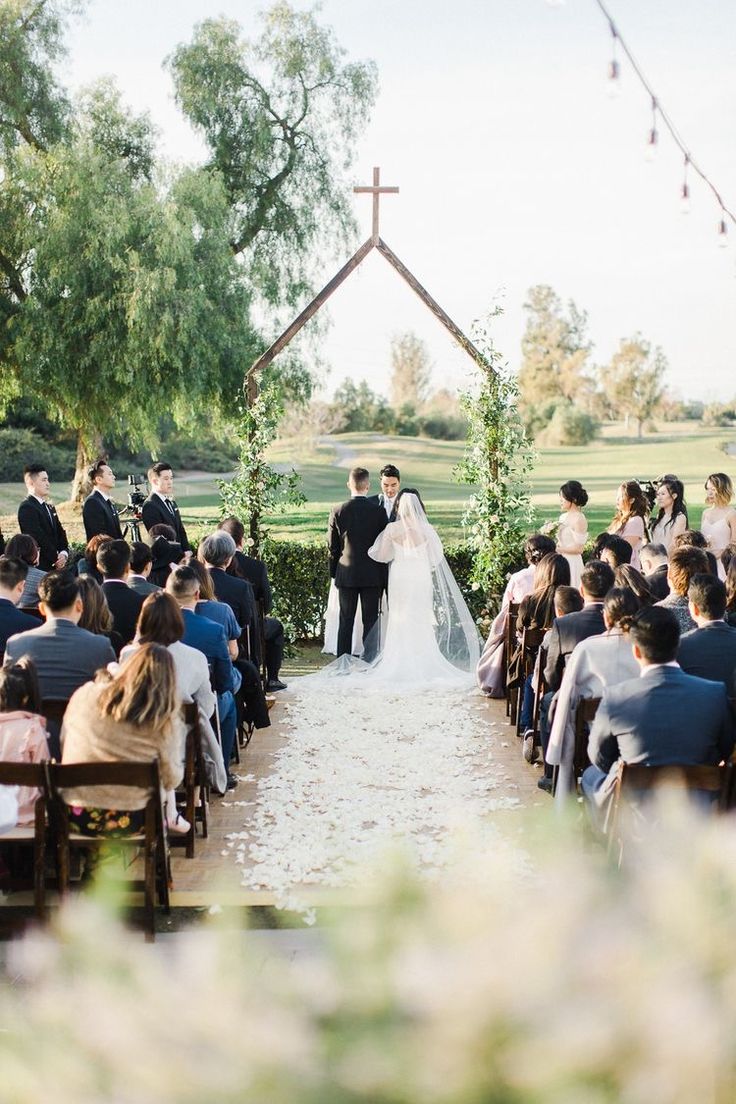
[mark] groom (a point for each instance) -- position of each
(352, 530)
(390, 486)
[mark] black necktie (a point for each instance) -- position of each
(51, 516)
(170, 504)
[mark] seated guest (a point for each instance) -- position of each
(23, 737)
(38, 518)
(113, 563)
(25, 548)
(663, 717)
(730, 615)
(710, 650)
(685, 562)
(132, 716)
(216, 552)
(492, 665)
(727, 555)
(141, 562)
(209, 638)
(161, 622)
(254, 571)
(160, 507)
(537, 610)
(597, 580)
(616, 551)
(96, 616)
(595, 664)
(693, 538)
(220, 612)
(13, 573)
(654, 564)
(88, 563)
(628, 576)
(165, 552)
(99, 512)
(64, 655)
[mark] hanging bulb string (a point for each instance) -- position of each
(658, 109)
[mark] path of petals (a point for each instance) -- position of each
(360, 772)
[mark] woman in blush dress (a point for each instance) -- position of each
(572, 531)
(671, 519)
(630, 520)
(595, 664)
(719, 518)
(492, 664)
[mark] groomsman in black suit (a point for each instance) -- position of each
(390, 487)
(99, 512)
(38, 518)
(160, 507)
(353, 528)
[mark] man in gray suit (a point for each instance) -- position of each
(663, 717)
(710, 650)
(65, 655)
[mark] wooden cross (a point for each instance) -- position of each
(375, 191)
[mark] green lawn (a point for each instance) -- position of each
(686, 449)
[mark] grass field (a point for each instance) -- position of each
(686, 449)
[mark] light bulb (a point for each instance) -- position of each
(685, 200)
(652, 144)
(722, 234)
(614, 81)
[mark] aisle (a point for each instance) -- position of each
(356, 774)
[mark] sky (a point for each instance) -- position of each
(514, 164)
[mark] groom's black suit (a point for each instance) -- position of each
(352, 530)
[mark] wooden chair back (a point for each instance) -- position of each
(509, 644)
(138, 775)
(194, 782)
(584, 714)
(54, 711)
(539, 687)
(32, 775)
(531, 641)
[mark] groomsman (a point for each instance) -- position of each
(160, 507)
(390, 487)
(353, 528)
(99, 513)
(38, 518)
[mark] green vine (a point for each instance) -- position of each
(257, 489)
(497, 463)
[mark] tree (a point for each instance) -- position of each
(360, 410)
(633, 382)
(411, 372)
(555, 350)
(280, 117)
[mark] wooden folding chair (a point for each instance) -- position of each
(531, 641)
(512, 693)
(584, 715)
(540, 688)
(194, 783)
(142, 776)
(637, 781)
(53, 710)
(32, 775)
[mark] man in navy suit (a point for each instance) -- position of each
(38, 518)
(99, 512)
(353, 528)
(13, 574)
(710, 650)
(663, 717)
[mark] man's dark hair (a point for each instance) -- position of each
(161, 466)
(94, 469)
(234, 527)
(597, 579)
(621, 549)
(709, 595)
(112, 559)
(656, 632)
(390, 471)
(34, 469)
(140, 555)
(182, 582)
(24, 546)
(568, 599)
(58, 590)
(162, 530)
(360, 477)
(13, 570)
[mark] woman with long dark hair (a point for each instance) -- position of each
(671, 519)
(537, 611)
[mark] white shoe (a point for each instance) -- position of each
(178, 827)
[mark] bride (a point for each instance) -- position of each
(427, 635)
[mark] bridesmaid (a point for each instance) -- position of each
(672, 518)
(572, 531)
(630, 521)
(719, 519)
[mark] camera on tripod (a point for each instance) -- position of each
(136, 497)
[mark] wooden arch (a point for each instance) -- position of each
(374, 242)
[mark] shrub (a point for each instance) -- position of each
(19, 447)
(569, 426)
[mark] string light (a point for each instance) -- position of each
(658, 113)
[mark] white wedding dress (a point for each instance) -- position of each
(428, 638)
